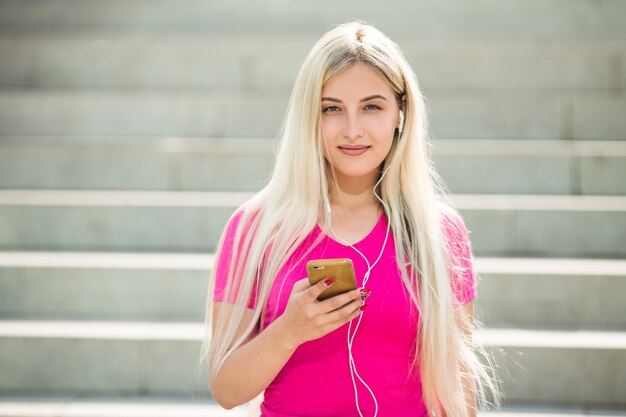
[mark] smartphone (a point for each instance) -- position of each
(341, 270)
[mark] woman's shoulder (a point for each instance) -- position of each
(454, 226)
(450, 216)
(247, 209)
(458, 241)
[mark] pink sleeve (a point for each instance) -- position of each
(222, 262)
(463, 279)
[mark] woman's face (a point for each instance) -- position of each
(359, 118)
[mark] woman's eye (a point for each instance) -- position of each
(373, 106)
(326, 110)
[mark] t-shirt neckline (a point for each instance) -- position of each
(367, 237)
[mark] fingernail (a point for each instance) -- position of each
(328, 281)
(366, 291)
(363, 307)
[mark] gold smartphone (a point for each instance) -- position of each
(341, 270)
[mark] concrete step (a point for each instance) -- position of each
(586, 368)
(104, 358)
(245, 164)
(578, 167)
(510, 114)
(445, 19)
(157, 407)
(113, 407)
(165, 287)
(539, 365)
(502, 225)
(134, 163)
(527, 292)
(270, 62)
(551, 293)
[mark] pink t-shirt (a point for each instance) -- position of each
(382, 347)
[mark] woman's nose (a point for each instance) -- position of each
(353, 127)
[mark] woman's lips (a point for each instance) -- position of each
(354, 151)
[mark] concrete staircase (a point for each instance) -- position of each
(130, 130)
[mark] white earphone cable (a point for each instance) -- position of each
(353, 370)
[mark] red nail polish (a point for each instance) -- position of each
(363, 307)
(329, 281)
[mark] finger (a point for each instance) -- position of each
(301, 285)
(345, 319)
(319, 287)
(346, 312)
(340, 300)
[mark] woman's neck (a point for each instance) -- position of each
(353, 193)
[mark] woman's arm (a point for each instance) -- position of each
(468, 385)
(254, 365)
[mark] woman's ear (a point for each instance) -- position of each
(402, 106)
(400, 123)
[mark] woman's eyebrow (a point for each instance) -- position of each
(336, 100)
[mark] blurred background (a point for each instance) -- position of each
(131, 130)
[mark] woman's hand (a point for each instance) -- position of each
(305, 318)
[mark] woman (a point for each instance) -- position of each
(352, 180)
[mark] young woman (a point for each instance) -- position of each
(353, 179)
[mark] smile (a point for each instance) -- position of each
(356, 151)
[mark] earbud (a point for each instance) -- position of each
(401, 124)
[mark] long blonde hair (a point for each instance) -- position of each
(280, 216)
